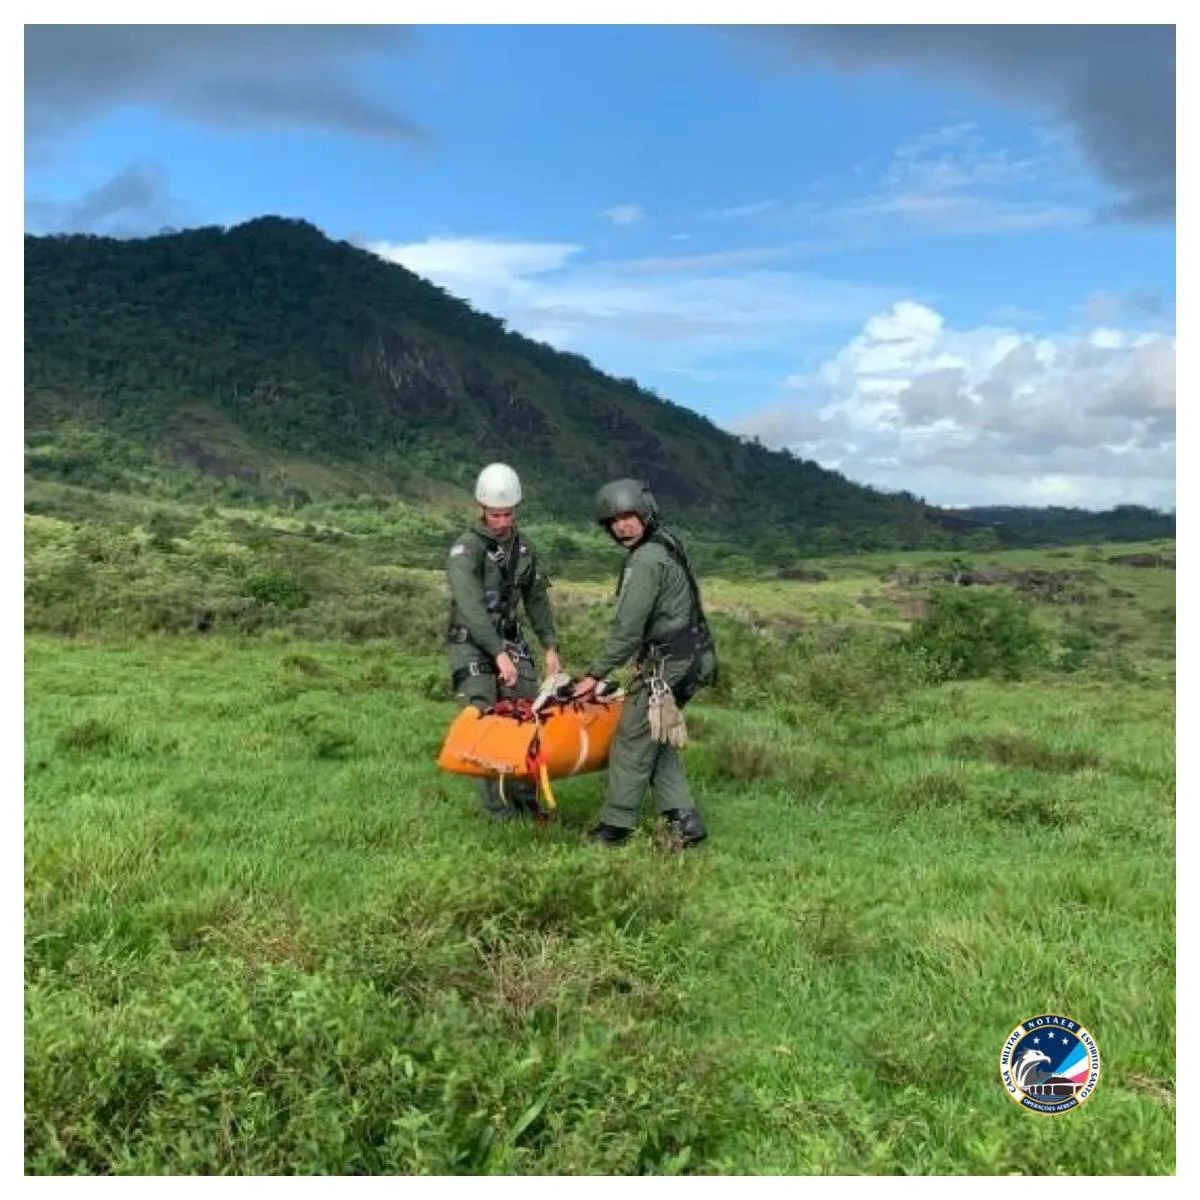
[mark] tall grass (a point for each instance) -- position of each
(265, 935)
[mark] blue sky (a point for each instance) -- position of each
(938, 259)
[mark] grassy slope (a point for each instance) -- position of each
(265, 935)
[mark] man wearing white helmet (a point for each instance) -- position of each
(491, 570)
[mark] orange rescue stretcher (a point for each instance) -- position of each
(517, 739)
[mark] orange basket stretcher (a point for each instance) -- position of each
(514, 739)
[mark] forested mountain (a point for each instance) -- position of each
(288, 364)
(1125, 523)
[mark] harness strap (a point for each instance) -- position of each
(502, 608)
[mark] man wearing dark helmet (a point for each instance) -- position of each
(660, 623)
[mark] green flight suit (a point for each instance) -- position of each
(488, 578)
(655, 603)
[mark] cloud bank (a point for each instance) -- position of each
(1113, 86)
(225, 75)
(988, 415)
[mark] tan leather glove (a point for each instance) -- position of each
(666, 721)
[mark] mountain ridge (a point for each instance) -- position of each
(281, 361)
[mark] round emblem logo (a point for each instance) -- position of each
(1050, 1064)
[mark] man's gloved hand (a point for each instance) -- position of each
(506, 669)
(556, 687)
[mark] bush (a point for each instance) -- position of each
(164, 529)
(1076, 648)
(970, 634)
(277, 588)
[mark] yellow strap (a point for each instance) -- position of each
(544, 775)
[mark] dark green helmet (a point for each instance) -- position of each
(625, 496)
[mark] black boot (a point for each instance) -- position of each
(686, 824)
(609, 835)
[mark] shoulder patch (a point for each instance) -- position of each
(457, 549)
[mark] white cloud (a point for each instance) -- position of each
(615, 311)
(477, 262)
(1137, 304)
(949, 182)
(958, 213)
(695, 374)
(956, 156)
(1014, 314)
(737, 211)
(713, 260)
(625, 214)
(1106, 339)
(988, 415)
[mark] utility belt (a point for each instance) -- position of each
(510, 631)
(689, 642)
(515, 646)
(685, 645)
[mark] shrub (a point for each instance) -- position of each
(1076, 647)
(164, 529)
(277, 588)
(859, 671)
(969, 634)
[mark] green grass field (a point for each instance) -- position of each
(265, 935)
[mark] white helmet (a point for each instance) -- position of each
(498, 487)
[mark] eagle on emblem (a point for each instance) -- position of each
(1028, 1072)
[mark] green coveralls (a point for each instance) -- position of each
(487, 579)
(655, 602)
